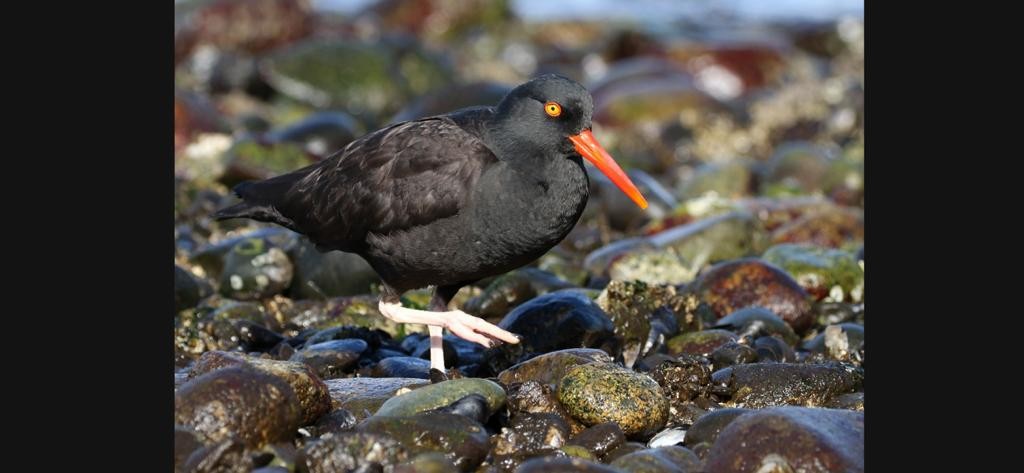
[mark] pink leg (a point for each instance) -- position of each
(436, 348)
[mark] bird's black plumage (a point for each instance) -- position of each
(445, 200)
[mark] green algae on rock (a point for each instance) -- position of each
(442, 394)
(699, 343)
(827, 274)
(603, 392)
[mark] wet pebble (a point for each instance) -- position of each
(624, 449)
(825, 273)
(332, 359)
(229, 456)
(312, 393)
(401, 367)
(339, 420)
(537, 398)
(211, 257)
(682, 381)
(549, 368)
(600, 439)
(796, 167)
(760, 385)
(473, 406)
(699, 343)
(602, 392)
(732, 353)
(755, 322)
(373, 338)
(239, 402)
(708, 426)
(791, 439)
(187, 290)
(773, 349)
(528, 435)
(255, 337)
(750, 282)
(674, 459)
(351, 451)
(461, 439)
(186, 441)
(843, 342)
(555, 321)
(442, 394)
(254, 271)
(363, 396)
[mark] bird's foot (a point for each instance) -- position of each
(461, 324)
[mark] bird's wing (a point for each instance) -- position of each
(396, 178)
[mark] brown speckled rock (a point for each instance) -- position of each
(603, 392)
(751, 282)
(311, 391)
(254, 407)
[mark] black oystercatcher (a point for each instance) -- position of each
(448, 200)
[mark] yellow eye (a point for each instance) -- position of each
(553, 109)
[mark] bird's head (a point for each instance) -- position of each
(554, 113)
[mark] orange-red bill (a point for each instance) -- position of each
(588, 147)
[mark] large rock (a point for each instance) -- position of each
(791, 439)
(239, 402)
(750, 282)
(442, 394)
(602, 392)
(310, 390)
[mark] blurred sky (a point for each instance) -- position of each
(661, 10)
